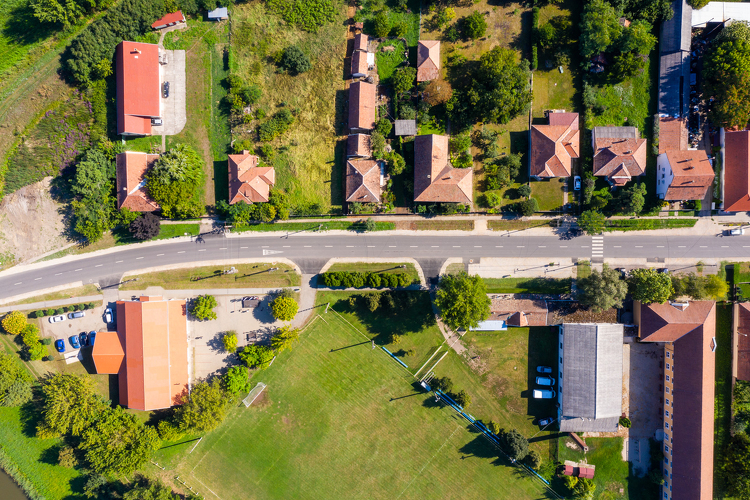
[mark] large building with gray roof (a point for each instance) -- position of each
(674, 61)
(590, 377)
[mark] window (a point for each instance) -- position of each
(666, 425)
(667, 390)
(666, 413)
(667, 366)
(667, 402)
(666, 460)
(666, 472)
(665, 495)
(560, 360)
(560, 345)
(666, 448)
(667, 354)
(667, 378)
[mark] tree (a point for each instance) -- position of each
(649, 285)
(584, 489)
(600, 27)
(65, 12)
(205, 409)
(503, 85)
(437, 92)
(727, 79)
(284, 338)
(533, 459)
(377, 142)
(698, 4)
(738, 30)
(462, 300)
(230, 341)
(284, 308)
(256, 356)
(736, 466)
(176, 182)
(236, 379)
(370, 224)
(384, 126)
(14, 322)
(627, 65)
(396, 163)
(202, 307)
(514, 444)
(15, 382)
(66, 457)
(524, 191)
(443, 16)
(147, 489)
(118, 442)
(474, 25)
(70, 405)
(603, 290)
(295, 61)
(634, 198)
(591, 222)
(145, 227)
(637, 38)
(462, 398)
(403, 80)
(382, 25)
(716, 287)
(528, 207)
(443, 384)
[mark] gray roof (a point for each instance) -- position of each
(615, 133)
(406, 127)
(674, 84)
(675, 32)
(218, 12)
(569, 424)
(591, 373)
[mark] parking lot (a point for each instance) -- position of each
(93, 320)
(173, 111)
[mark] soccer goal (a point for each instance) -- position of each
(254, 394)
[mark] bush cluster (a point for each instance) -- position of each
(275, 126)
(241, 94)
(308, 15)
(362, 280)
(41, 313)
(243, 214)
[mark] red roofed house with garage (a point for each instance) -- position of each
(138, 92)
(247, 181)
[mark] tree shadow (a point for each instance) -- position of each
(542, 351)
(221, 179)
(23, 28)
(338, 179)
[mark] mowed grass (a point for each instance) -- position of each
(376, 267)
(723, 396)
(81, 291)
(554, 286)
(305, 161)
(330, 426)
(247, 276)
(23, 38)
(548, 193)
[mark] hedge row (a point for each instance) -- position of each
(62, 310)
(370, 280)
(534, 38)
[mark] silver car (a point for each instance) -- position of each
(57, 319)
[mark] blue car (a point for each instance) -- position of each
(73, 339)
(92, 337)
(60, 345)
(83, 338)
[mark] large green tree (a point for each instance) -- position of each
(284, 308)
(235, 379)
(202, 307)
(602, 290)
(638, 38)
(462, 300)
(591, 222)
(70, 405)
(514, 444)
(118, 442)
(284, 338)
(736, 466)
(15, 382)
(14, 322)
(94, 206)
(65, 12)
(256, 356)
(600, 27)
(205, 408)
(403, 79)
(649, 285)
(176, 182)
(726, 77)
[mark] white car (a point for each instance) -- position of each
(736, 232)
(108, 315)
(544, 393)
(57, 319)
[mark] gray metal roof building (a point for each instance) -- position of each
(406, 127)
(675, 32)
(674, 63)
(590, 375)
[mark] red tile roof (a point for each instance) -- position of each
(360, 42)
(619, 159)
(743, 341)
(435, 180)
(247, 181)
(153, 332)
(736, 166)
(131, 184)
(107, 353)
(363, 181)
(673, 134)
(519, 312)
(169, 19)
(554, 145)
(693, 175)
(358, 145)
(670, 321)
(138, 92)
(428, 60)
(359, 63)
(362, 102)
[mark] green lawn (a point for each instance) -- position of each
(548, 193)
(395, 17)
(166, 231)
(367, 267)
(247, 276)
(342, 420)
(312, 226)
(644, 224)
(742, 278)
(387, 62)
(552, 286)
(612, 473)
(723, 397)
(514, 225)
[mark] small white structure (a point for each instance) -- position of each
(218, 14)
(721, 12)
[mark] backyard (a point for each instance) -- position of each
(336, 408)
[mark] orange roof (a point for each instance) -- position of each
(169, 19)
(154, 333)
(673, 134)
(363, 181)
(619, 159)
(107, 353)
(435, 179)
(362, 102)
(736, 165)
(743, 341)
(554, 145)
(131, 184)
(358, 145)
(137, 74)
(669, 321)
(359, 63)
(428, 60)
(693, 175)
(360, 42)
(247, 181)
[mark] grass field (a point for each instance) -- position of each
(313, 226)
(80, 291)
(341, 420)
(723, 396)
(247, 276)
(441, 225)
(381, 267)
(552, 286)
(387, 62)
(644, 224)
(307, 166)
(548, 193)
(514, 225)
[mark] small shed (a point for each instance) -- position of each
(586, 470)
(570, 467)
(250, 302)
(406, 127)
(171, 19)
(218, 14)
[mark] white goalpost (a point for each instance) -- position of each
(254, 394)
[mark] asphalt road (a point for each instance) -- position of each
(311, 252)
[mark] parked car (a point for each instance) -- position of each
(544, 393)
(576, 183)
(622, 271)
(108, 315)
(545, 381)
(57, 319)
(73, 339)
(83, 338)
(92, 338)
(546, 421)
(156, 122)
(60, 345)
(77, 314)
(165, 89)
(543, 369)
(736, 232)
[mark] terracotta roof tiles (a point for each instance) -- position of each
(428, 60)
(131, 168)
(673, 134)
(362, 103)
(736, 166)
(363, 181)
(435, 180)
(360, 42)
(247, 181)
(168, 19)
(693, 175)
(358, 145)
(138, 92)
(619, 159)
(359, 63)
(743, 341)
(107, 353)
(554, 145)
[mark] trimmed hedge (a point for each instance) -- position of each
(70, 308)
(534, 38)
(370, 280)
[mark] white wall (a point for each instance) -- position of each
(664, 175)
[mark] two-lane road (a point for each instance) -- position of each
(318, 248)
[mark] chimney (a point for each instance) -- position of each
(680, 305)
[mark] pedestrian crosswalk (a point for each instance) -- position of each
(597, 247)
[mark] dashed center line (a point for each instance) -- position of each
(58, 274)
(659, 246)
(139, 258)
(329, 246)
(680, 246)
(262, 246)
(181, 251)
(349, 246)
(618, 246)
(286, 246)
(496, 246)
(37, 279)
(639, 246)
(118, 261)
(413, 246)
(391, 246)
(99, 265)
(79, 269)
(223, 248)
(159, 254)
(14, 284)
(704, 246)
(308, 246)
(520, 246)
(243, 247)
(724, 246)
(542, 246)
(477, 246)
(201, 250)
(563, 246)
(435, 246)
(370, 246)
(456, 246)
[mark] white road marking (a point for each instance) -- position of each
(704, 246)
(477, 246)
(202, 250)
(618, 246)
(542, 246)
(370, 246)
(456, 246)
(724, 246)
(159, 254)
(584, 246)
(139, 258)
(391, 246)
(58, 274)
(79, 269)
(243, 247)
(329, 246)
(563, 246)
(99, 265)
(639, 246)
(349, 246)
(262, 246)
(520, 246)
(680, 246)
(413, 246)
(435, 246)
(223, 248)
(496, 246)
(308, 246)
(37, 279)
(181, 251)
(14, 284)
(659, 246)
(286, 246)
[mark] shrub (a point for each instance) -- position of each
(46, 341)
(399, 30)
(51, 312)
(533, 459)
(295, 61)
(474, 25)
(14, 322)
(168, 431)
(67, 457)
(524, 191)
(230, 341)
(443, 384)
(277, 125)
(462, 398)
(382, 24)
(625, 422)
(145, 227)
(202, 307)
(528, 207)
(284, 308)
(384, 126)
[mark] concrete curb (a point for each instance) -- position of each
(223, 262)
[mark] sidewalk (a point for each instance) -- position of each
(51, 304)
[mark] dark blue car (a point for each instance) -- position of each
(60, 345)
(73, 339)
(83, 339)
(92, 338)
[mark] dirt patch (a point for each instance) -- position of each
(572, 312)
(261, 401)
(32, 222)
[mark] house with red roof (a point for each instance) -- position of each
(131, 170)
(363, 100)
(619, 154)
(553, 146)
(364, 181)
(428, 60)
(247, 181)
(683, 175)
(435, 179)
(735, 176)
(148, 353)
(138, 87)
(169, 20)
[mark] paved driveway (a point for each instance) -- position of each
(173, 110)
(93, 320)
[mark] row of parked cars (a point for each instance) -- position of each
(83, 339)
(547, 382)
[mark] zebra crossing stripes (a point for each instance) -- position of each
(597, 246)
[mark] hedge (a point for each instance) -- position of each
(534, 38)
(70, 308)
(369, 280)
